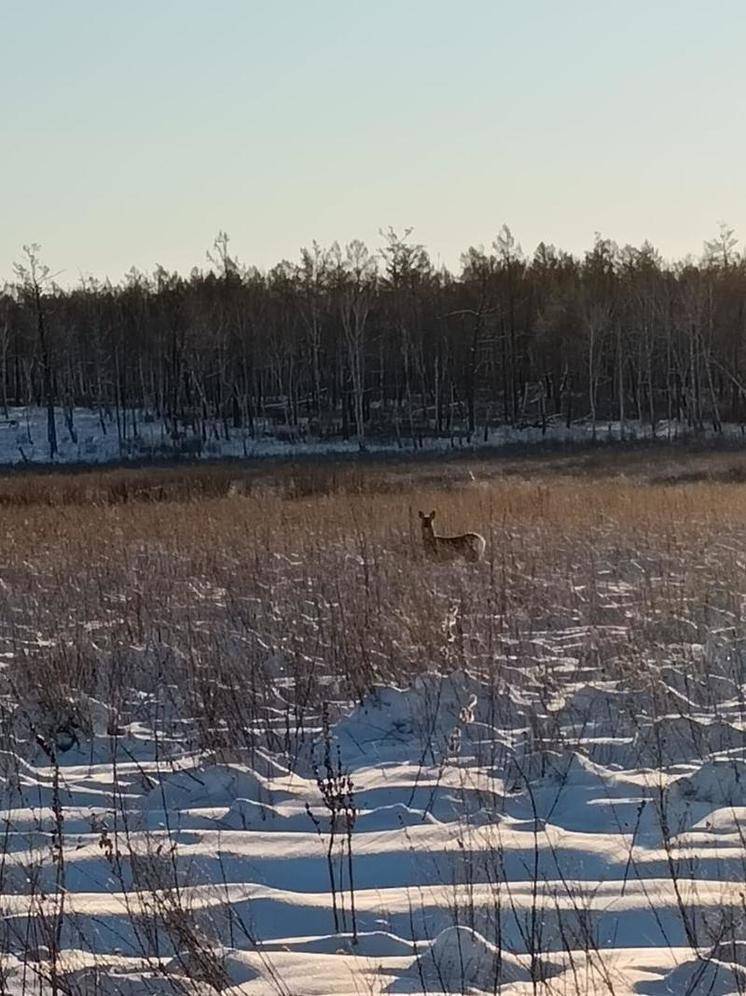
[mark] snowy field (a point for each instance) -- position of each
(92, 436)
(253, 745)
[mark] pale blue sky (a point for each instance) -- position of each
(132, 131)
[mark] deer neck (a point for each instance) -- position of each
(428, 536)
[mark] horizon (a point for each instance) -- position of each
(285, 126)
(206, 265)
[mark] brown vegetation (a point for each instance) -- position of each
(244, 620)
(211, 596)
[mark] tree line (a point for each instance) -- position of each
(361, 344)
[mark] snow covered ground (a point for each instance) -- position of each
(545, 831)
(96, 439)
(551, 800)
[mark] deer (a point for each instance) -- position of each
(470, 546)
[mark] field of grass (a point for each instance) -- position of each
(415, 745)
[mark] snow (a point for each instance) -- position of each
(703, 975)
(143, 436)
(459, 956)
(560, 827)
(720, 782)
(469, 876)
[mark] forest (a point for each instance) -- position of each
(361, 344)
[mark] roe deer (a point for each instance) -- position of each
(470, 546)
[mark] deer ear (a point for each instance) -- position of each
(421, 515)
(432, 515)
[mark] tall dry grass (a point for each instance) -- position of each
(205, 601)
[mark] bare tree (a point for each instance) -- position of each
(34, 276)
(358, 274)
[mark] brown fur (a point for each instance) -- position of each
(470, 546)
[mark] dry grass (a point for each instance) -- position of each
(211, 599)
(235, 619)
(642, 462)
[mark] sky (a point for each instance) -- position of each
(131, 132)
